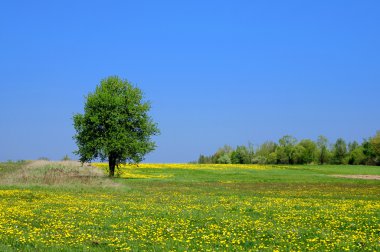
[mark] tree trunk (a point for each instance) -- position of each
(112, 164)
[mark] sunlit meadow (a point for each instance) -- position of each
(187, 207)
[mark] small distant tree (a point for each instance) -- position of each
(204, 159)
(339, 151)
(222, 155)
(115, 125)
(375, 142)
(265, 153)
(299, 154)
(286, 149)
(356, 156)
(369, 152)
(241, 155)
(308, 151)
(352, 146)
(281, 156)
(201, 159)
(272, 158)
(224, 159)
(251, 153)
(323, 152)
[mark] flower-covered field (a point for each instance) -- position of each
(199, 208)
(139, 171)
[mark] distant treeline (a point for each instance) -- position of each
(290, 151)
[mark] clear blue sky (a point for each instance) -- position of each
(216, 72)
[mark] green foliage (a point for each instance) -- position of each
(308, 152)
(115, 125)
(265, 154)
(339, 151)
(352, 146)
(356, 156)
(272, 158)
(204, 160)
(375, 142)
(369, 152)
(323, 153)
(299, 154)
(241, 155)
(288, 151)
(224, 159)
(223, 155)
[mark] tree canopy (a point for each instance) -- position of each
(115, 125)
(288, 150)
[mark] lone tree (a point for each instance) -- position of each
(115, 125)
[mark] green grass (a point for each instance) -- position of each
(295, 208)
(277, 174)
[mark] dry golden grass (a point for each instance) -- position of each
(43, 172)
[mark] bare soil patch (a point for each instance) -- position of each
(374, 177)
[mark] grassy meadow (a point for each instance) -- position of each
(62, 206)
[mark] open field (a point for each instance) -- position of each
(49, 206)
